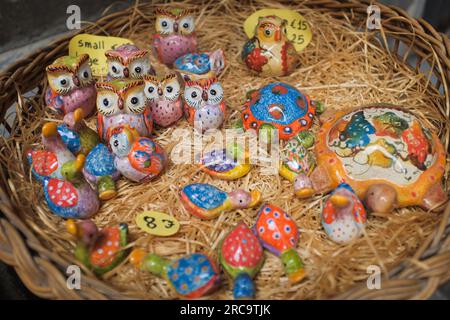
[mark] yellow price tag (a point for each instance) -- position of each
(95, 47)
(297, 28)
(157, 223)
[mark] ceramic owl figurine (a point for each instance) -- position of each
(123, 102)
(165, 99)
(71, 85)
(204, 104)
(175, 34)
(269, 52)
(128, 61)
(137, 158)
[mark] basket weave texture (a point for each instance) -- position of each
(29, 248)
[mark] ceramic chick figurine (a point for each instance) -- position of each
(343, 216)
(129, 62)
(175, 34)
(71, 85)
(99, 250)
(269, 52)
(137, 158)
(241, 256)
(191, 276)
(207, 202)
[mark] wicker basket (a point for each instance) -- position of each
(43, 272)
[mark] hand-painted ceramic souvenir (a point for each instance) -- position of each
(48, 163)
(123, 102)
(384, 153)
(343, 216)
(207, 202)
(269, 52)
(196, 66)
(279, 234)
(165, 99)
(278, 106)
(175, 34)
(191, 276)
(241, 255)
(99, 250)
(128, 61)
(71, 85)
(224, 164)
(204, 104)
(295, 159)
(137, 158)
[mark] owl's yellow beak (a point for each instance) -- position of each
(78, 115)
(50, 129)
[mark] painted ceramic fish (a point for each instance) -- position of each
(207, 202)
(343, 216)
(191, 276)
(279, 234)
(99, 250)
(241, 255)
(222, 164)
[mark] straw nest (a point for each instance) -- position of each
(342, 67)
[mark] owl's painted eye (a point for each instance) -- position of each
(165, 25)
(187, 25)
(267, 32)
(215, 94)
(107, 103)
(135, 102)
(115, 69)
(84, 73)
(139, 68)
(62, 83)
(193, 96)
(151, 91)
(169, 89)
(172, 90)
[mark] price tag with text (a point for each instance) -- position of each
(95, 47)
(157, 223)
(297, 28)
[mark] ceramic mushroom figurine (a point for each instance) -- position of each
(279, 106)
(137, 158)
(165, 99)
(129, 62)
(99, 250)
(71, 85)
(191, 276)
(241, 255)
(204, 104)
(196, 66)
(343, 216)
(207, 202)
(175, 34)
(123, 102)
(269, 52)
(279, 234)
(385, 153)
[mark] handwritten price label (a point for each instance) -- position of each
(298, 30)
(157, 223)
(95, 47)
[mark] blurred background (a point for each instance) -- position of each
(28, 25)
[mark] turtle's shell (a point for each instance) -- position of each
(100, 161)
(192, 275)
(381, 144)
(196, 63)
(276, 229)
(204, 196)
(240, 251)
(281, 106)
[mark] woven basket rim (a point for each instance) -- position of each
(21, 248)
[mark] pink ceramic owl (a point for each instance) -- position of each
(175, 34)
(165, 99)
(71, 85)
(128, 61)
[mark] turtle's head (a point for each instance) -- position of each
(243, 199)
(86, 231)
(72, 170)
(150, 262)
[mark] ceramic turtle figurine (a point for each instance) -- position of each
(196, 66)
(279, 106)
(384, 152)
(191, 276)
(241, 255)
(343, 216)
(225, 164)
(279, 234)
(207, 202)
(99, 250)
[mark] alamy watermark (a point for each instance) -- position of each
(373, 17)
(73, 281)
(73, 21)
(374, 279)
